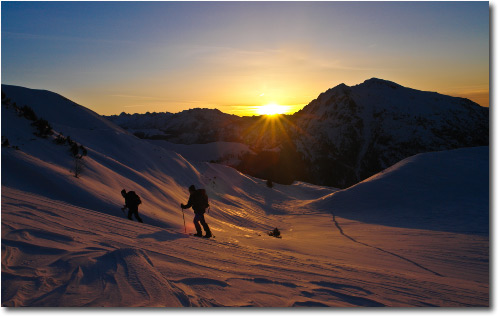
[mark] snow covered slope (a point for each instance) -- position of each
(57, 254)
(65, 241)
(227, 153)
(443, 191)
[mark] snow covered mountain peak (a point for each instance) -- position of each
(378, 95)
(376, 82)
(343, 89)
(350, 133)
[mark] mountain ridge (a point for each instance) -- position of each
(380, 126)
(342, 137)
(346, 134)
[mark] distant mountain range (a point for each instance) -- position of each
(344, 136)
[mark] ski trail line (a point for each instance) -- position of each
(380, 249)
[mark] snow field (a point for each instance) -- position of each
(65, 241)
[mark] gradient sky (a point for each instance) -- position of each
(171, 56)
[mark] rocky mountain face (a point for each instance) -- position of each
(344, 136)
(350, 133)
(202, 126)
(194, 126)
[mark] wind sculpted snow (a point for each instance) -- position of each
(441, 191)
(65, 241)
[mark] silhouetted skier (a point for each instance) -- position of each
(198, 200)
(132, 200)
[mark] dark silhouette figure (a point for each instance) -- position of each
(275, 233)
(269, 183)
(198, 200)
(132, 200)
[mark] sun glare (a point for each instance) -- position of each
(271, 109)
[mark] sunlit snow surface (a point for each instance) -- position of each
(414, 235)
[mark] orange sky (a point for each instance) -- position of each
(139, 57)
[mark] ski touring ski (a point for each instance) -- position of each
(194, 235)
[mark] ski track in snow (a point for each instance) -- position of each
(110, 261)
(380, 249)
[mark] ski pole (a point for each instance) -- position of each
(184, 221)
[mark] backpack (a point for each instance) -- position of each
(275, 233)
(201, 200)
(132, 198)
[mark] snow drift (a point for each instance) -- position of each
(445, 191)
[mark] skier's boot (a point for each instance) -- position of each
(208, 235)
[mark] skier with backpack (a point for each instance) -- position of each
(198, 200)
(132, 200)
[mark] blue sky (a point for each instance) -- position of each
(170, 56)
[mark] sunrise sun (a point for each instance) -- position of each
(271, 109)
